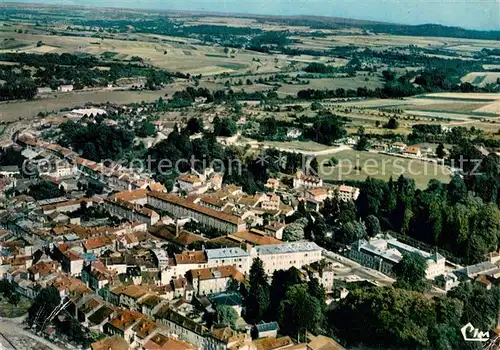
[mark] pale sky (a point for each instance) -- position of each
(472, 14)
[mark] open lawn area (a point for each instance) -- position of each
(297, 145)
(357, 165)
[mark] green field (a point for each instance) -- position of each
(309, 146)
(356, 165)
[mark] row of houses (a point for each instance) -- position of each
(274, 257)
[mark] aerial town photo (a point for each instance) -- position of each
(250, 175)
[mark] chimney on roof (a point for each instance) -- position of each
(177, 228)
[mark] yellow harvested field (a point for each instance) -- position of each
(41, 49)
(171, 54)
(481, 78)
(493, 107)
(15, 110)
(448, 106)
(209, 70)
(375, 103)
(5, 63)
(466, 96)
(464, 46)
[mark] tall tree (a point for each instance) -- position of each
(258, 298)
(282, 280)
(440, 151)
(372, 224)
(226, 315)
(45, 302)
(411, 272)
(300, 312)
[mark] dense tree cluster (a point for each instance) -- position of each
(297, 306)
(446, 216)
(456, 135)
(389, 318)
(317, 67)
(96, 141)
(52, 70)
(45, 190)
(411, 272)
(224, 127)
(434, 30)
(327, 129)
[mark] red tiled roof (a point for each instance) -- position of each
(189, 178)
(115, 343)
(125, 319)
(272, 343)
(173, 199)
(318, 192)
(196, 257)
(256, 237)
(97, 242)
(216, 272)
(129, 196)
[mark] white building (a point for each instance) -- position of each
(447, 281)
(348, 193)
(302, 180)
(130, 211)
(283, 256)
(412, 151)
(58, 169)
(293, 133)
(90, 112)
(274, 257)
(65, 88)
(383, 254)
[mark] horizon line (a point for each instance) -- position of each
(238, 14)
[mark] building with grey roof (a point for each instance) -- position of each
(382, 254)
(472, 271)
(283, 256)
(222, 253)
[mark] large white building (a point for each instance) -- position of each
(306, 181)
(383, 253)
(348, 193)
(274, 257)
(283, 256)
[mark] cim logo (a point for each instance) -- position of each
(473, 334)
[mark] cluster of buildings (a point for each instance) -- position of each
(313, 191)
(121, 282)
(383, 252)
(135, 264)
(63, 163)
(141, 266)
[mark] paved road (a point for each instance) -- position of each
(351, 267)
(12, 329)
(11, 129)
